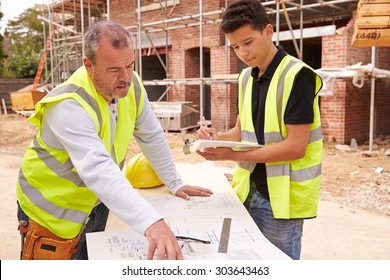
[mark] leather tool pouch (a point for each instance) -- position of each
(41, 244)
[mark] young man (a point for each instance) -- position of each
(278, 108)
(71, 173)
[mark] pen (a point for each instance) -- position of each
(209, 136)
(204, 122)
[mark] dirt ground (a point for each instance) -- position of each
(354, 212)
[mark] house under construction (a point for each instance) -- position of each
(185, 60)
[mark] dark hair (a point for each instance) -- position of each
(244, 12)
(119, 37)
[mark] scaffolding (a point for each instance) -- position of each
(302, 19)
(72, 17)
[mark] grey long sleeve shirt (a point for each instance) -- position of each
(66, 125)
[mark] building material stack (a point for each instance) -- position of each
(175, 116)
(372, 25)
(25, 99)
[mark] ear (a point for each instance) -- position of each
(88, 65)
(269, 31)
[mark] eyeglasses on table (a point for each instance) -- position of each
(191, 245)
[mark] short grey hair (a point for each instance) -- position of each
(119, 37)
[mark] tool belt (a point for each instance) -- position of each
(41, 244)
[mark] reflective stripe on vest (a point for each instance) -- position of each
(82, 93)
(60, 213)
(63, 170)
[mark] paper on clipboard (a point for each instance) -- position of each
(202, 144)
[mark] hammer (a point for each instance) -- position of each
(23, 228)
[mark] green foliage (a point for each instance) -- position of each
(24, 63)
(27, 42)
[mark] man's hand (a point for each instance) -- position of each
(215, 154)
(161, 238)
(207, 133)
(187, 191)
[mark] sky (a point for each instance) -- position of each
(11, 9)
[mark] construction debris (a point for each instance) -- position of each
(26, 98)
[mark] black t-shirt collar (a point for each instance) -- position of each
(280, 54)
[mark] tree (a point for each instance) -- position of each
(26, 36)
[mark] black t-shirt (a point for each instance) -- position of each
(299, 108)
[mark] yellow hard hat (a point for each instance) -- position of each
(140, 174)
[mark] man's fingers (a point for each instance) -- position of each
(150, 253)
(169, 251)
(206, 133)
(161, 238)
(187, 191)
(198, 191)
(161, 252)
(182, 195)
(173, 253)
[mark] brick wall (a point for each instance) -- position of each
(382, 102)
(346, 114)
(224, 97)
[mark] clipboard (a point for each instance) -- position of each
(192, 147)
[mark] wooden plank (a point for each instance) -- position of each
(372, 25)
(371, 37)
(382, 9)
(182, 130)
(372, 22)
(4, 107)
(373, 1)
(27, 113)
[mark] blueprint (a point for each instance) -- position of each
(200, 218)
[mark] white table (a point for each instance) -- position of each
(200, 217)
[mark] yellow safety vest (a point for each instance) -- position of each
(49, 189)
(293, 186)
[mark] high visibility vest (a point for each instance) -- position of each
(49, 189)
(294, 185)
